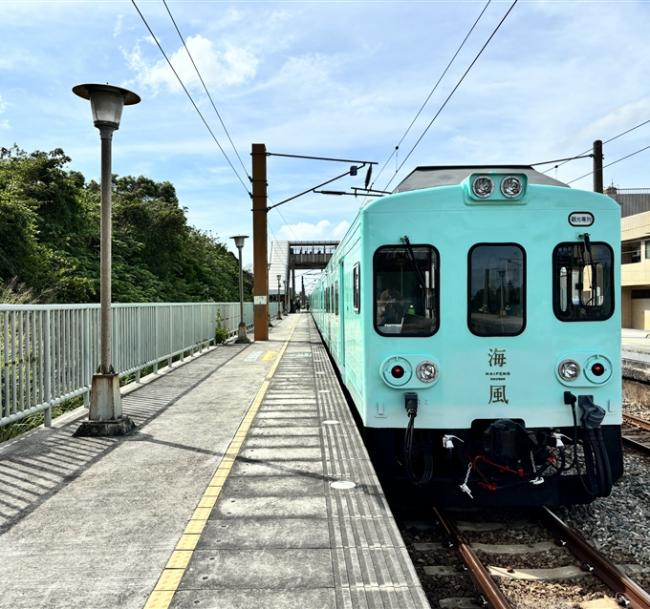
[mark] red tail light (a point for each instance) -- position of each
(598, 369)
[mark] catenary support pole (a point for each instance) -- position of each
(260, 255)
(598, 166)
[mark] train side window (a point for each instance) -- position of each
(583, 283)
(497, 289)
(336, 298)
(356, 288)
(406, 290)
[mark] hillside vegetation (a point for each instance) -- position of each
(49, 238)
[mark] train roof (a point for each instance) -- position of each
(449, 175)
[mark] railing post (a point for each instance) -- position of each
(47, 370)
(156, 311)
(171, 336)
(140, 359)
(88, 359)
(183, 339)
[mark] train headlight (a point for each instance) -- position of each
(482, 186)
(511, 187)
(569, 370)
(426, 372)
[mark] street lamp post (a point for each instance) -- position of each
(105, 417)
(278, 278)
(241, 330)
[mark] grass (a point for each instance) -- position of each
(34, 420)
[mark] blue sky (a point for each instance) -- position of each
(329, 78)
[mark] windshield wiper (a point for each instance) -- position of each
(414, 264)
(587, 250)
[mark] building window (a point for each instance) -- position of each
(356, 288)
(583, 282)
(647, 250)
(631, 252)
(405, 290)
(497, 276)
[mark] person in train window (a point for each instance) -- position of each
(390, 309)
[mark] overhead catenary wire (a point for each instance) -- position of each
(607, 141)
(205, 88)
(627, 156)
(448, 98)
(433, 90)
(565, 160)
(189, 96)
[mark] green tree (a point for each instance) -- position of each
(49, 237)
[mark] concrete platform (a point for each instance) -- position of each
(221, 499)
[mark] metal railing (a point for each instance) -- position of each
(48, 353)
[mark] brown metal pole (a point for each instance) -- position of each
(598, 166)
(260, 254)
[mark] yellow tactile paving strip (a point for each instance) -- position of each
(169, 580)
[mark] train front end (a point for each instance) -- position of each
(492, 351)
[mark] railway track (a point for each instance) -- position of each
(488, 558)
(636, 433)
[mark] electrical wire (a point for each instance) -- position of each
(433, 90)
(205, 88)
(205, 122)
(444, 104)
(627, 156)
(611, 139)
(286, 223)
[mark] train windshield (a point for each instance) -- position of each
(583, 282)
(496, 289)
(406, 293)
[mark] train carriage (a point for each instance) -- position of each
(473, 317)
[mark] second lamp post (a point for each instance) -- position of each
(241, 329)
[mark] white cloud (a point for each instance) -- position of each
(303, 231)
(619, 119)
(4, 123)
(229, 66)
(119, 26)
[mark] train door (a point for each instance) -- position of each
(341, 314)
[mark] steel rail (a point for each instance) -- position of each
(637, 421)
(639, 424)
(635, 444)
(603, 568)
(479, 574)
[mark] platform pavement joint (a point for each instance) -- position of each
(276, 533)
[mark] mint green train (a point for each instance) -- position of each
(473, 318)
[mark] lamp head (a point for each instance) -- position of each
(106, 102)
(239, 240)
(278, 277)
